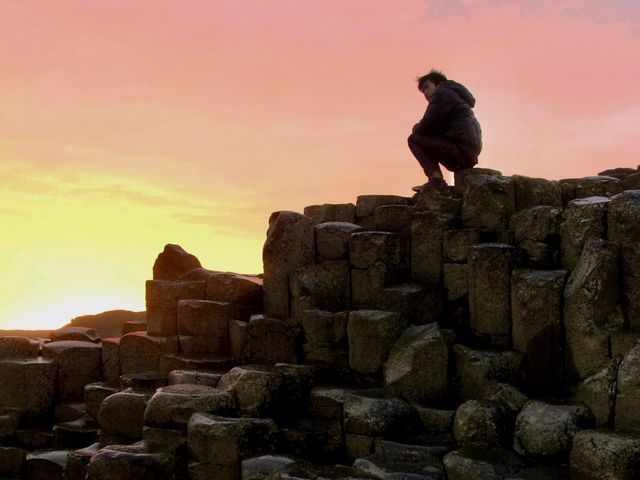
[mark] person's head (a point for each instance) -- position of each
(429, 82)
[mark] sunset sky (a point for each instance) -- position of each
(129, 124)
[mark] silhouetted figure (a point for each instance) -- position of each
(449, 133)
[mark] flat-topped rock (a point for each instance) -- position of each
(14, 347)
(29, 385)
(83, 334)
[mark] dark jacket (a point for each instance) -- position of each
(449, 116)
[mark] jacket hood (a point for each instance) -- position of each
(461, 90)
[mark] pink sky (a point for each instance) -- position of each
(125, 125)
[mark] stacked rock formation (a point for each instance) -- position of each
(486, 331)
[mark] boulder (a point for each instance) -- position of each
(487, 203)
(290, 245)
(435, 419)
(332, 239)
(130, 462)
(371, 335)
(591, 308)
(141, 352)
(603, 454)
(419, 346)
(530, 192)
(460, 177)
(271, 340)
(75, 434)
(479, 369)
(547, 430)
(490, 267)
(316, 440)
(331, 212)
(482, 422)
(173, 262)
(14, 347)
(536, 304)
(582, 219)
(121, 415)
(171, 406)
(78, 362)
(162, 298)
(507, 395)
(376, 413)
(81, 334)
(427, 233)
(29, 385)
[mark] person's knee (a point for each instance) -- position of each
(411, 140)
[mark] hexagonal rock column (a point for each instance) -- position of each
(331, 212)
(627, 411)
(427, 233)
(218, 444)
(271, 340)
(371, 335)
(332, 239)
(121, 415)
(405, 370)
(530, 192)
(375, 258)
(325, 285)
(548, 430)
(478, 369)
(140, 352)
(172, 406)
(536, 231)
(582, 219)
(111, 359)
(258, 391)
(488, 202)
(14, 347)
(366, 206)
(162, 298)
(29, 385)
(130, 462)
(79, 363)
(289, 246)
(536, 304)
(624, 228)
(602, 454)
(481, 422)
(375, 413)
(591, 309)
(598, 392)
(489, 270)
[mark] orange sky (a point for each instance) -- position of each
(126, 125)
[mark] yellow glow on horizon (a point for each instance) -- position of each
(75, 244)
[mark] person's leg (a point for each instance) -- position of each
(432, 151)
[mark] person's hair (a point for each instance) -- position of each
(434, 76)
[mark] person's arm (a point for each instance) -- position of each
(436, 117)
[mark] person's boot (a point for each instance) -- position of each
(437, 183)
